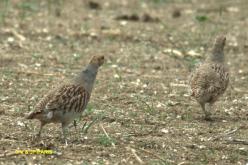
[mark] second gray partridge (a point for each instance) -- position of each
(210, 80)
(67, 102)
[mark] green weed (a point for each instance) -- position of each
(105, 140)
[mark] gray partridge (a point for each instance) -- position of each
(210, 80)
(68, 101)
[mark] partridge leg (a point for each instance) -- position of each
(64, 133)
(41, 127)
(75, 124)
(209, 109)
(206, 112)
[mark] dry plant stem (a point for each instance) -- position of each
(237, 141)
(13, 153)
(36, 73)
(106, 134)
(15, 33)
(224, 134)
(133, 151)
(157, 156)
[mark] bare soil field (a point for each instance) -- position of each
(140, 110)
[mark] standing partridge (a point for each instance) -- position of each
(67, 102)
(210, 80)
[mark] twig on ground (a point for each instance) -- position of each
(226, 133)
(153, 154)
(12, 153)
(36, 73)
(133, 151)
(15, 33)
(237, 141)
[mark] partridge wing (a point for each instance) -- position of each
(65, 98)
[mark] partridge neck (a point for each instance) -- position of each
(217, 55)
(87, 77)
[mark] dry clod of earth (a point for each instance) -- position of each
(176, 13)
(67, 102)
(210, 80)
(134, 17)
(94, 5)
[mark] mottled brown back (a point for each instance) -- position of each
(209, 81)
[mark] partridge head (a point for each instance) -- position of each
(217, 54)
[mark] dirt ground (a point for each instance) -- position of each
(140, 110)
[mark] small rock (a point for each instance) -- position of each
(94, 5)
(165, 130)
(10, 39)
(176, 13)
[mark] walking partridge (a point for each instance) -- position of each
(67, 102)
(210, 80)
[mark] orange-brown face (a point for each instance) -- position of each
(97, 60)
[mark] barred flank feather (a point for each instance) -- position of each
(66, 98)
